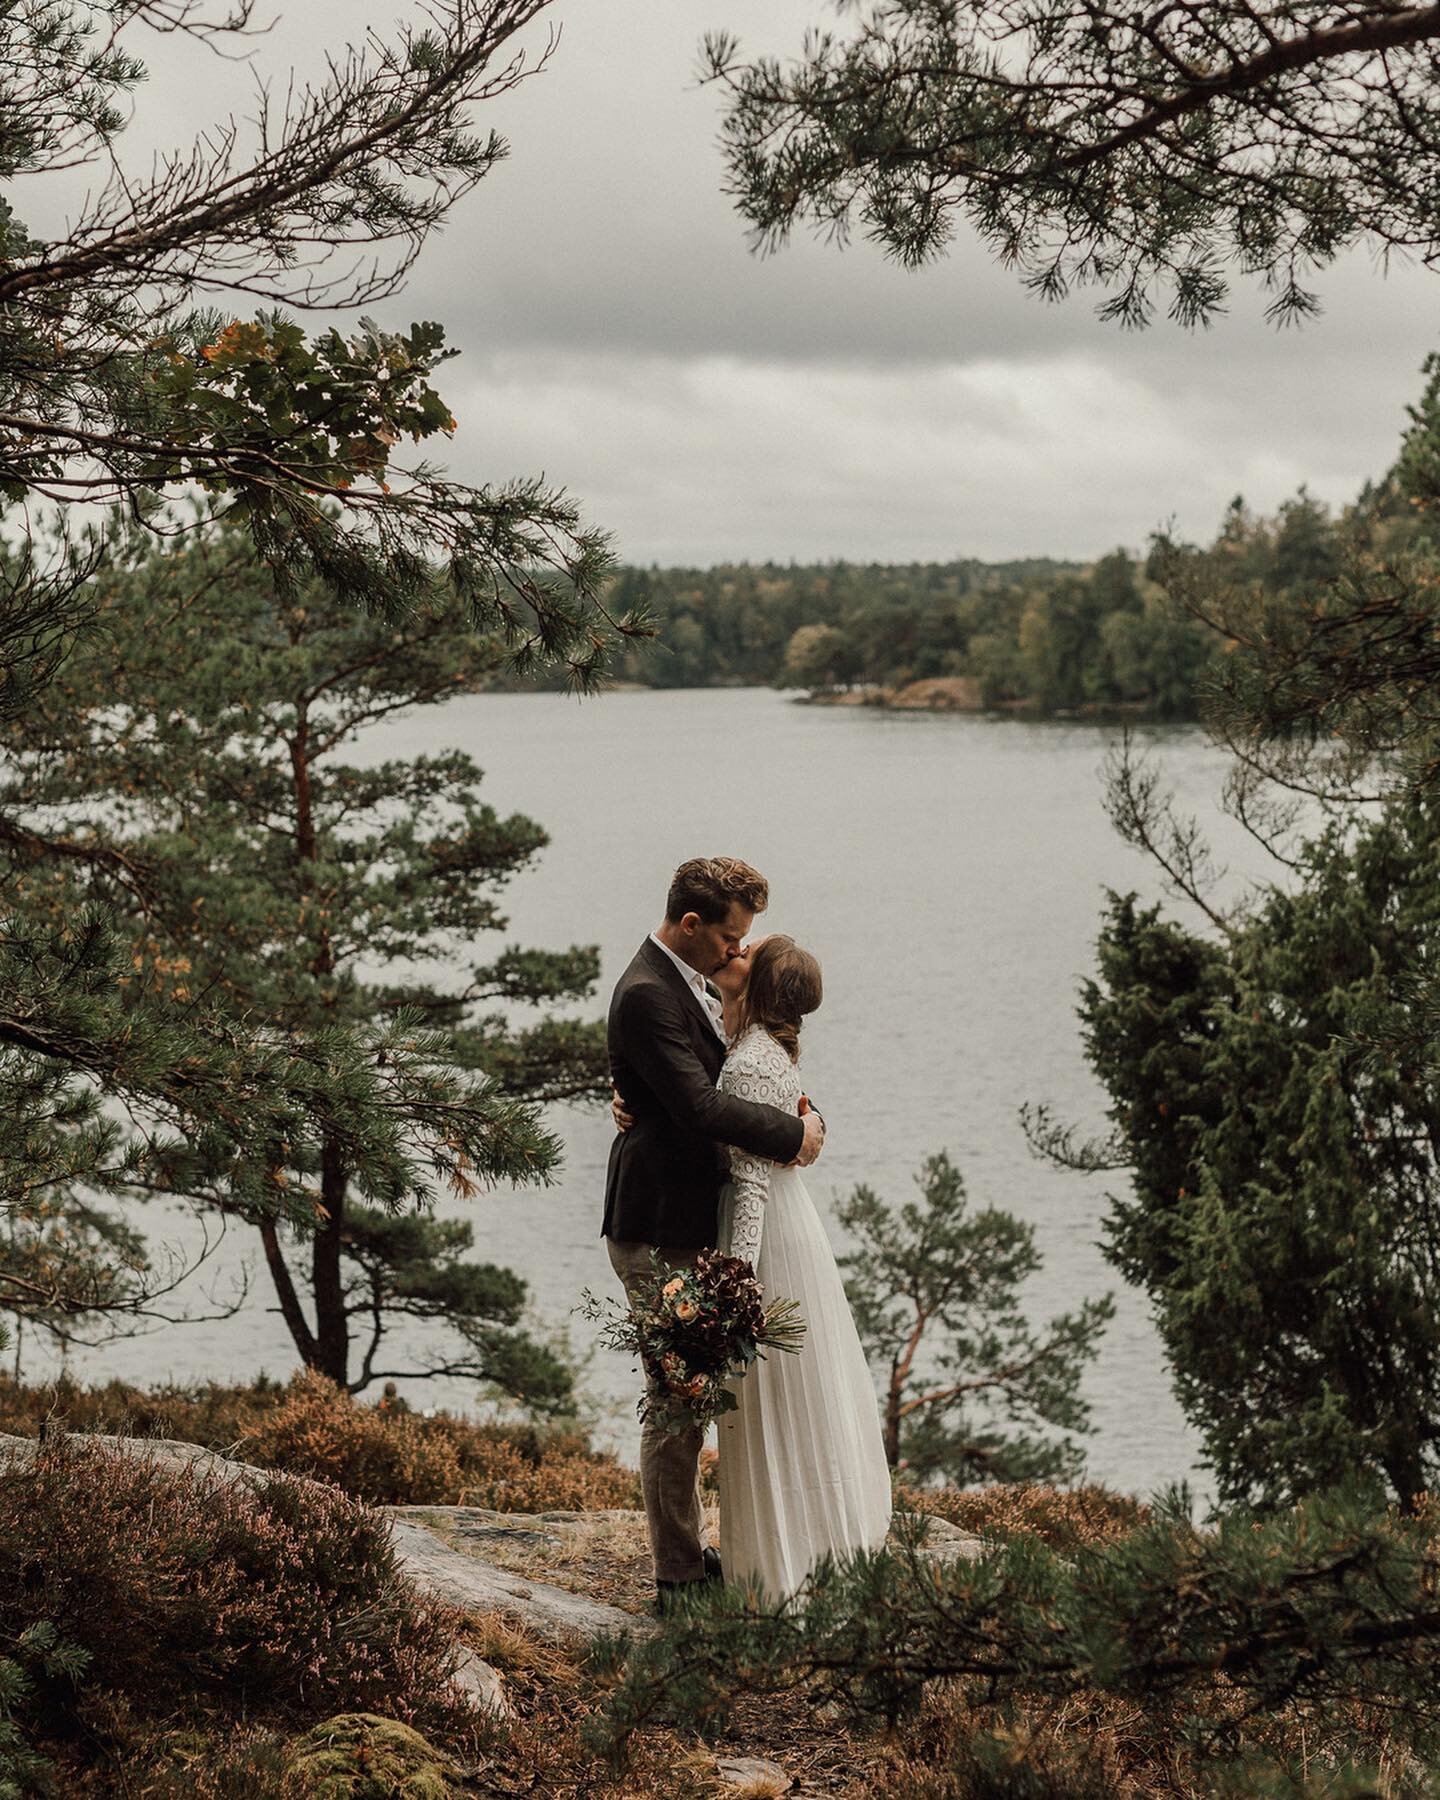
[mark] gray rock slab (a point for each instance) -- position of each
(946, 1542)
(483, 1686)
(961, 1549)
(173, 1453)
(479, 1525)
(756, 1775)
(470, 1582)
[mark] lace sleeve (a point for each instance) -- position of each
(754, 1071)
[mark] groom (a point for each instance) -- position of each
(667, 1042)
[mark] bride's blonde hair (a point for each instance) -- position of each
(784, 985)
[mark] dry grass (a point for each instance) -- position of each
(605, 1555)
(1064, 1519)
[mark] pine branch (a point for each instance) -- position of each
(1137, 151)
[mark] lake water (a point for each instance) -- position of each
(949, 873)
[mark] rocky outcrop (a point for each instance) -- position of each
(934, 693)
(945, 1542)
(938, 693)
(441, 1550)
(753, 1777)
(459, 1553)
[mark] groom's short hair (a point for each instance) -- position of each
(709, 886)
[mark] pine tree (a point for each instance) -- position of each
(1151, 154)
(1331, 676)
(1273, 1075)
(128, 376)
(203, 735)
(1301, 1637)
(935, 1289)
(119, 382)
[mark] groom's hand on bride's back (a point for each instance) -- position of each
(810, 1145)
(814, 1138)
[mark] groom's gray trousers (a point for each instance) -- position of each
(669, 1461)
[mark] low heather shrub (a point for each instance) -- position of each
(400, 1458)
(1063, 1519)
(388, 1456)
(185, 1590)
(208, 1413)
(389, 1459)
(226, 1761)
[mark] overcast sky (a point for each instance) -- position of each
(708, 405)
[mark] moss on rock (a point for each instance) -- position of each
(360, 1756)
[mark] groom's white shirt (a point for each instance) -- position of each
(712, 1008)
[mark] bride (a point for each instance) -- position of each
(802, 1463)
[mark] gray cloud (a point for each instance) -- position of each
(715, 459)
(709, 405)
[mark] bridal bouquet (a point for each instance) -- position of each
(692, 1329)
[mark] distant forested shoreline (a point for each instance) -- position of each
(1038, 635)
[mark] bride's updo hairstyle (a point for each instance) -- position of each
(784, 985)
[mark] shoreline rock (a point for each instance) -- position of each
(962, 694)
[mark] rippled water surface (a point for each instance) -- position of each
(948, 871)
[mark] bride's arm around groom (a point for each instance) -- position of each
(666, 1172)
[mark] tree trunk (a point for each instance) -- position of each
(332, 1329)
(290, 1308)
(892, 1418)
(1407, 1477)
(330, 1347)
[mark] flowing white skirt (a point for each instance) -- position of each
(802, 1461)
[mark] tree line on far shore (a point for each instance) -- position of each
(1041, 635)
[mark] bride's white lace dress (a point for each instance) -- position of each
(802, 1461)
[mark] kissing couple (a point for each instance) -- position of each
(712, 1133)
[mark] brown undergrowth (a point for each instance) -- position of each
(388, 1456)
(203, 1604)
(224, 1624)
(1063, 1519)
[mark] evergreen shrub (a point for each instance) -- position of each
(1283, 1655)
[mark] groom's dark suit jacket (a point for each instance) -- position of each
(666, 1172)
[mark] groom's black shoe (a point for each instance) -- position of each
(668, 1594)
